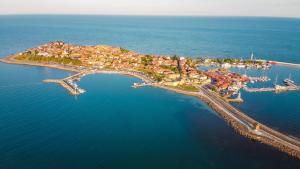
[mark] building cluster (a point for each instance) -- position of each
(238, 63)
(168, 70)
(226, 82)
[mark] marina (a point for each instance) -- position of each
(289, 85)
(69, 83)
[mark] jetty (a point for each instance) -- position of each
(289, 86)
(69, 84)
(138, 85)
(238, 99)
(285, 64)
(273, 89)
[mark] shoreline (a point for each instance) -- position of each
(11, 60)
(239, 121)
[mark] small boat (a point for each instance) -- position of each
(289, 81)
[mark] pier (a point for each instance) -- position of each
(273, 89)
(137, 85)
(238, 99)
(69, 84)
(285, 64)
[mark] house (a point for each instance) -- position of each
(226, 65)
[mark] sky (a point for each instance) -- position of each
(278, 8)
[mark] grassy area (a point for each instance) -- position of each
(123, 50)
(172, 68)
(147, 60)
(156, 76)
(232, 60)
(187, 88)
(42, 59)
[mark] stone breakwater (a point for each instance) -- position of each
(244, 131)
(246, 128)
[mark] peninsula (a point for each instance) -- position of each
(216, 86)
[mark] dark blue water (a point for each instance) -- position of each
(269, 38)
(114, 126)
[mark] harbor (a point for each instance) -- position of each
(289, 85)
(69, 83)
(216, 87)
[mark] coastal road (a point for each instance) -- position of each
(250, 123)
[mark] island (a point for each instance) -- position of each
(217, 86)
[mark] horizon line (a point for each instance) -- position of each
(144, 15)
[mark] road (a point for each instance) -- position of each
(250, 123)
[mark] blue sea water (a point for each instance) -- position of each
(114, 126)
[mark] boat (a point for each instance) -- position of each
(289, 81)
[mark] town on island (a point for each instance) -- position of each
(216, 86)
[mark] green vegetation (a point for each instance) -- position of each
(123, 50)
(156, 76)
(42, 59)
(189, 61)
(175, 57)
(231, 61)
(187, 88)
(172, 68)
(226, 60)
(147, 60)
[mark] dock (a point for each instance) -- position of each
(273, 89)
(138, 85)
(69, 84)
(295, 65)
(238, 99)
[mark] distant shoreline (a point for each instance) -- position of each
(141, 15)
(242, 123)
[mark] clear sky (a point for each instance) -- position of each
(284, 8)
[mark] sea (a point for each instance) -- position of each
(112, 125)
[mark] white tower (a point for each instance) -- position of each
(252, 56)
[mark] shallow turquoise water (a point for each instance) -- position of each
(115, 126)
